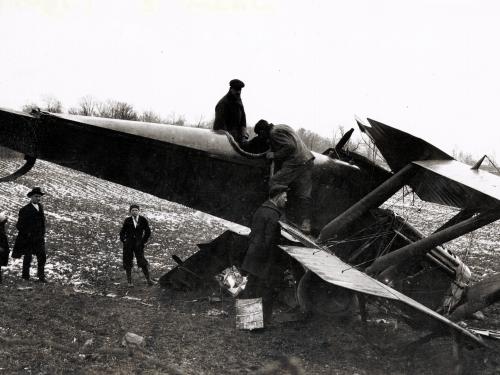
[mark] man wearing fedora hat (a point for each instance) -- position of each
(31, 237)
(230, 113)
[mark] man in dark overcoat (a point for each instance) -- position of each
(230, 113)
(295, 161)
(261, 262)
(134, 234)
(4, 243)
(31, 237)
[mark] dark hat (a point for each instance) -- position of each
(35, 190)
(261, 126)
(236, 83)
(133, 206)
(277, 189)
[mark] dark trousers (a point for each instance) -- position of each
(299, 179)
(260, 288)
(129, 251)
(41, 258)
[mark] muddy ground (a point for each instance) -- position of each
(76, 322)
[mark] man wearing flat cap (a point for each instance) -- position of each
(230, 113)
(31, 237)
(134, 234)
(295, 162)
(262, 259)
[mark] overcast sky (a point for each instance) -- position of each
(430, 67)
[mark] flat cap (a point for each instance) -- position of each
(261, 126)
(236, 83)
(277, 189)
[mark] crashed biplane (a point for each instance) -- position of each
(361, 249)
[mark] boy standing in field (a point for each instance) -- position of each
(134, 234)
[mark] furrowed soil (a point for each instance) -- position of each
(76, 322)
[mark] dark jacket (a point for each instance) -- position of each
(31, 227)
(287, 146)
(230, 116)
(135, 237)
(264, 236)
(4, 245)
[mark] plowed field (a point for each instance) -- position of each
(76, 322)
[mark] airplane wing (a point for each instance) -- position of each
(334, 271)
(455, 184)
(187, 165)
(199, 168)
(438, 178)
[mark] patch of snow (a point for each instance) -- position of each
(59, 217)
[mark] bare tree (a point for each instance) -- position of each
(118, 110)
(464, 157)
(175, 119)
(150, 116)
(205, 124)
(51, 104)
(314, 141)
(87, 106)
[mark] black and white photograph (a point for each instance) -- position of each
(206, 187)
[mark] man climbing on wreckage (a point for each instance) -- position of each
(294, 161)
(262, 259)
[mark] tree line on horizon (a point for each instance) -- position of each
(89, 106)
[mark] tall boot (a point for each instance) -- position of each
(146, 275)
(41, 273)
(267, 307)
(26, 266)
(129, 277)
(41, 260)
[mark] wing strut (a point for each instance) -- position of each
(426, 244)
(372, 200)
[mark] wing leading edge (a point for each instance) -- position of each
(334, 271)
